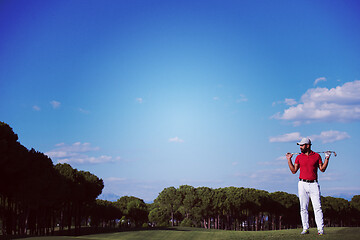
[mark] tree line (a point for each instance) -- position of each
(37, 196)
(238, 208)
(40, 198)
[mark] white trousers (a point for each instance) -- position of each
(306, 191)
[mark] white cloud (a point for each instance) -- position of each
(80, 147)
(58, 154)
(55, 104)
(139, 100)
(290, 101)
(242, 98)
(36, 108)
(216, 98)
(82, 158)
(281, 158)
(330, 176)
(176, 139)
(340, 104)
(287, 101)
(320, 79)
(76, 153)
(277, 175)
(84, 111)
(330, 136)
(324, 137)
(115, 179)
(288, 137)
(278, 161)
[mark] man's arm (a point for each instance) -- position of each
(293, 168)
(323, 166)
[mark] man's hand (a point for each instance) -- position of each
(293, 168)
(323, 166)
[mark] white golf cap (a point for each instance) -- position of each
(304, 141)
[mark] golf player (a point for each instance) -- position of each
(308, 187)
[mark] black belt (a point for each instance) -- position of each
(308, 181)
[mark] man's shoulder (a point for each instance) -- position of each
(301, 155)
(314, 154)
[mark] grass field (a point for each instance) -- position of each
(179, 233)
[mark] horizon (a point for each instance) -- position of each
(111, 197)
(152, 94)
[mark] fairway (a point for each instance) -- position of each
(178, 233)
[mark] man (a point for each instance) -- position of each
(309, 162)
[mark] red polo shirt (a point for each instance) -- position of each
(308, 165)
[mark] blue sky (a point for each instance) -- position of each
(152, 94)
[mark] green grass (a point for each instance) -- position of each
(179, 233)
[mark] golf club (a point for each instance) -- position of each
(317, 152)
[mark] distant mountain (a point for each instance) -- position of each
(109, 197)
(344, 196)
(112, 197)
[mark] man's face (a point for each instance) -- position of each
(305, 148)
